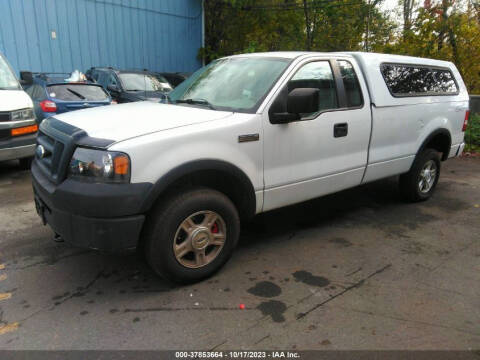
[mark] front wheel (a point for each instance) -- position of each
(191, 235)
(420, 182)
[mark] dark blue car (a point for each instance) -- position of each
(54, 94)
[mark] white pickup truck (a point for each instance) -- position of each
(244, 135)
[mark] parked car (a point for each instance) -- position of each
(17, 119)
(244, 135)
(55, 93)
(131, 85)
(175, 79)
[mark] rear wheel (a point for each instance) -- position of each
(190, 236)
(420, 182)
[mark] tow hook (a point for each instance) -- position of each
(58, 238)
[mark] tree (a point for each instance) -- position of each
(446, 30)
(408, 9)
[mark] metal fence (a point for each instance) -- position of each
(472, 135)
(475, 104)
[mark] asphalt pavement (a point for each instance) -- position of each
(358, 269)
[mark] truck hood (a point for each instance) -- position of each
(125, 121)
(14, 100)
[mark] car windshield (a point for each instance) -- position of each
(8, 81)
(77, 92)
(166, 85)
(233, 84)
(143, 82)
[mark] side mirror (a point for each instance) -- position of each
(299, 101)
(26, 77)
(303, 101)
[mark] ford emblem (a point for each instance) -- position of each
(40, 151)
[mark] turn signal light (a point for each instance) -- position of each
(24, 130)
(465, 121)
(121, 165)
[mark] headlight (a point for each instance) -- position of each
(100, 166)
(24, 114)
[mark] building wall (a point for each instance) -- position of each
(63, 35)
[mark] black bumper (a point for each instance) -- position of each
(96, 216)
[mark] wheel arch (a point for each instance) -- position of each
(440, 140)
(216, 174)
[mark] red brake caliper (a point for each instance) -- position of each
(215, 228)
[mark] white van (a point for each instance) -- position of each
(244, 135)
(18, 128)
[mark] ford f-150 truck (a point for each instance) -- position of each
(244, 135)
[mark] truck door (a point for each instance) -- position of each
(326, 151)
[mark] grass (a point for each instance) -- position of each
(472, 135)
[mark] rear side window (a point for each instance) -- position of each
(350, 82)
(445, 81)
(416, 80)
(77, 92)
(95, 75)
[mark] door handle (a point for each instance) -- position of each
(340, 130)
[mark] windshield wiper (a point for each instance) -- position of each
(76, 93)
(196, 102)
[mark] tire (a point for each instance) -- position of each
(182, 219)
(415, 187)
(26, 163)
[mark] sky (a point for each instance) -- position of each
(389, 5)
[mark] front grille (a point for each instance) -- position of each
(52, 154)
(5, 116)
(58, 140)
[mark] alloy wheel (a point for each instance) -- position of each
(199, 239)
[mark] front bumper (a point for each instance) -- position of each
(17, 148)
(95, 216)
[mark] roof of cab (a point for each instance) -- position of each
(356, 54)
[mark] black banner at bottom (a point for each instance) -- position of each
(239, 354)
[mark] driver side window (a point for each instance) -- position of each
(317, 75)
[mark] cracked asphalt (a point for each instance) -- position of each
(355, 270)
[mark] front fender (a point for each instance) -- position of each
(174, 151)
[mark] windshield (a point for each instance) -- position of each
(234, 84)
(77, 92)
(166, 85)
(8, 81)
(143, 82)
